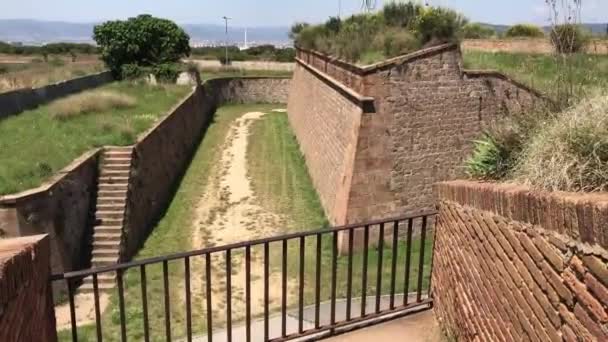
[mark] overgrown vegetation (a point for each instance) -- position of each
(142, 42)
(36, 144)
(49, 49)
(524, 31)
(90, 102)
(567, 151)
(256, 53)
(397, 29)
(28, 72)
(477, 31)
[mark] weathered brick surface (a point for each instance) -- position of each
(26, 305)
(326, 124)
(426, 112)
(499, 277)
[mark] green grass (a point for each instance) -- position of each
(171, 235)
(34, 145)
(281, 183)
(589, 73)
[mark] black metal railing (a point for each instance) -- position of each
(338, 262)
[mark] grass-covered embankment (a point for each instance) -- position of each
(36, 144)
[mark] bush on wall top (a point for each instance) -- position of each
(143, 41)
(397, 29)
(524, 30)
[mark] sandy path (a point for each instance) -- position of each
(229, 213)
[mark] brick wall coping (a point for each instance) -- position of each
(11, 199)
(365, 102)
(582, 217)
(423, 53)
(373, 68)
(14, 254)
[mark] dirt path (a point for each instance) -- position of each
(228, 213)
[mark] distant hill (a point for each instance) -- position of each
(40, 32)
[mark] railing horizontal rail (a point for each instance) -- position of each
(331, 279)
(176, 256)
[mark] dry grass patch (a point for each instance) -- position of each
(569, 153)
(90, 102)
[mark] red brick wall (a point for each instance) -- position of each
(326, 124)
(426, 113)
(26, 304)
(515, 264)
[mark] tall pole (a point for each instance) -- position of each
(339, 9)
(226, 45)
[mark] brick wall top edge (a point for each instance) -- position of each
(16, 258)
(365, 102)
(373, 68)
(587, 212)
(59, 82)
(503, 77)
(11, 199)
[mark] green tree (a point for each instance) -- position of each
(477, 31)
(143, 41)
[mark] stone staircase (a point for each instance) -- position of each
(110, 214)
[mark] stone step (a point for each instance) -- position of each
(122, 200)
(112, 244)
(87, 287)
(114, 173)
(111, 215)
(109, 221)
(112, 193)
(109, 180)
(107, 237)
(100, 261)
(106, 253)
(102, 278)
(119, 148)
(116, 160)
(117, 167)
(111, 206)
(107, 229)
(113, 187)
(118, 154)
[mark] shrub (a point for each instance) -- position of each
(568, 38)
(571, 152)
(401, 14)
(144, 41)
(396, 42)
(477, 31)
(133, 71)
(439, 24)
(89, 102)
(490, 160)
(333, 25)
(166, 72)
(524, 30)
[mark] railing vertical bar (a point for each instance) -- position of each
(167, 300)
(408, 257)
(248, 293)
(318, 283)
(301, 289)
(430, 289)
(334, 265)
(121, 305)
(421, 262)
(188, 299)
(266, 286)
(379, 272)
(364, 270)
(97, 309)
(284, 291)
(144, 301)
(394, 262)
(229, 295)
(349, 276)
(208, 295)
(72, 310)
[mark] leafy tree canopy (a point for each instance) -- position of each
(143, 40)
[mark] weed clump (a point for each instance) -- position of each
(90, 102)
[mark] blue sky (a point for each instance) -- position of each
(271, 12)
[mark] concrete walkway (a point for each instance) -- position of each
(420, 324)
